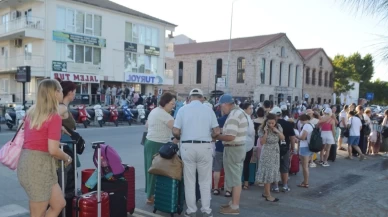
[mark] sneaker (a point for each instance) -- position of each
(286, 189)
(325, 164)
(229, 211)
(204, 214)
(320, 162)
(276, 190)
(312, 164)
(190, 215)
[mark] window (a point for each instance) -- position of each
(141, 34)
(270, 97)
(262, 96)
(280, 73)
(331, 80)
(297, 69)
(4, 86)
(320, 78)
(70, 20)
(219, 68)
(28, 51)
(326, 77)
(320, 61)
(289, 75)
(307, 76)
(296, 98)
(270, 72)
(147, 64)
(180, 73)
(78, 53)
(240, 70)
(319, 100)
(313, 81)
(130, 62)
(262, 71)
(282, 52)
(199, 71)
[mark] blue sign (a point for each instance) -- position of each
(370, 96)
(143, 78)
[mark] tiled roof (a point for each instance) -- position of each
(119, 8)
(308, 53)
(247, 43)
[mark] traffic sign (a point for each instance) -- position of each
(370, 96)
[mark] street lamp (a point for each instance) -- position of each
(230, 47)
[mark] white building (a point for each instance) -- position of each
(91, 42)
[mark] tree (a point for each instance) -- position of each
(355, 67)
(380, 90)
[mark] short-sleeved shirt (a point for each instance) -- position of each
(343, 115)
(221, 122)
(356, 125)
(158, 130)
(37, 139)
(309, 129)
(288, 130)
(236, 125)
(196, 121)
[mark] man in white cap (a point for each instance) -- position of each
(196, 127)
(233, 136)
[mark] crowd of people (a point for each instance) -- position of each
(225, 139)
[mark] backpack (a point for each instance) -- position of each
(112, 159)
(316, 143)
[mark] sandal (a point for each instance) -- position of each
(274, 200)
(150, 201)
(216, 192)
(245, 187)
(228, 194)
(303, 185)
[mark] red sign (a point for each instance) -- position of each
(76, 77)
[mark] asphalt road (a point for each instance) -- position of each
(346, 188)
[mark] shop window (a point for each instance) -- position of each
(262, 96)
(219, 68)
(262, 71)
(180, 73)
(241, 70)
(199, 72)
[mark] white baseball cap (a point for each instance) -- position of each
(283, 107)
(196, 91)
(328, 111)
(276, 111)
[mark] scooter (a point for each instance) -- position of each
(114, 115)
(141, 117)
(20, 114)
(99, 115)
(14, 118)
(128, 116)
(81, 116)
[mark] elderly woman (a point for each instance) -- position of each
(159, 124)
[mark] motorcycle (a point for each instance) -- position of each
(141, 117)
(81, 115)
(128, 116)
(15, 118)
(111, 115)
(99, 115)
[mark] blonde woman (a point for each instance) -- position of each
(37, 164)
(327, 125)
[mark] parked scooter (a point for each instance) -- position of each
(99, 115)
(81, 116)
(141, 117)
(128, 116)
(14, 118)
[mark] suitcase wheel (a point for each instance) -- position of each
(154, 210)
(132, 211)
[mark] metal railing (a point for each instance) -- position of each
(22, 23)
(11, 63)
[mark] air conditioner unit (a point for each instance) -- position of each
(18, 42)
(15, 15)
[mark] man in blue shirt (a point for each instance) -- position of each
(218, 164)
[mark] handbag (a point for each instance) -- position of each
(78, 139)
(168, 150)
(172, 168)
(10, 152)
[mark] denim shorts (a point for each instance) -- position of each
(305, 152)
(353, 140)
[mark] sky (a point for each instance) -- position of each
(308, 23)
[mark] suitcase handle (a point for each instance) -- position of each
(63, 177)
(97, 145)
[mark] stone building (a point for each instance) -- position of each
(261, 67)
(318, 76)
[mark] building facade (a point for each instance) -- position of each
(264, 67)
(89, 42)
(318, 84)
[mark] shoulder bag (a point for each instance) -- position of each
(168, 150)
(78, 139)
(10, 152)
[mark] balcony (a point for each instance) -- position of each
(13, 3)
(31, 27)
(10, 64)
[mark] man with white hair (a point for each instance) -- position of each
(196, 126)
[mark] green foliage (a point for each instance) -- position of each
(380, 90)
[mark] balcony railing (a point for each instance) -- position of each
(11, 63)
(22, 23)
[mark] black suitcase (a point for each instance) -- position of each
(332, 153)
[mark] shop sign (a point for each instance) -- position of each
(59, 66)
(130, 47)
(78, 39)
(141, 78)
(76, 77)
(149, 50)
(23, 74)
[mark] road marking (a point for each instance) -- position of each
(147, 213)
(12, 210)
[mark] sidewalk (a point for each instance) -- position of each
(346, 188)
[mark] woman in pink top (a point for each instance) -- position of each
(327, 125)
(37, 164)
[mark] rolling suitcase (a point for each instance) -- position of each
(169, 195)
(129, 175)
(332, 153)
(294, 164)
(96, 203)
